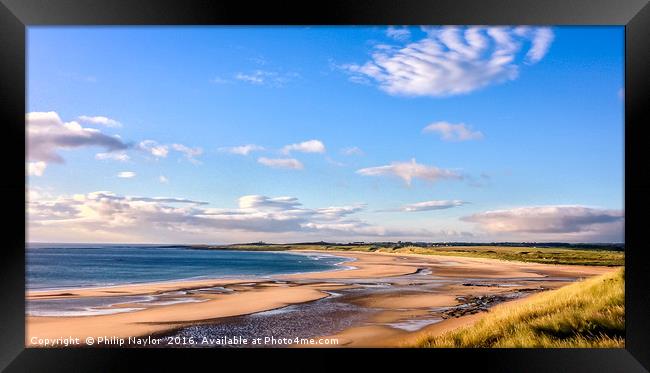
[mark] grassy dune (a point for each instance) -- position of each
(545, 255)
(527, 254)
(589, 313)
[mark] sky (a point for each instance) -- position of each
(293, 134)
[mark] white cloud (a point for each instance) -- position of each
(162, 151)
(105, 216)
(258, 77)
(398, 33)
(353, 150)
(189, 153)
(163, 179)
(47, 134)
(336, 212)
(452, 60)
(408, 171)
(242, 149)
(104, 121)
(432, 205)
(264, 202)
(152, 147)
(290, 163)
(121, 156)
(542, 39)
(453, 132)
(267, 78)
(557, 222)
(36, 168)
(310, 146)
(157, 199)
(126, 174)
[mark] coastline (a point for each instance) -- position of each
(450, 278)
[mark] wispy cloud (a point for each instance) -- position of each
(162, 150)
(266, 78)
(100, 120)
(542, 38)
(290, 163)
(429, 206)
(152, 147)
(154, 199)
(398, 33)
(242, 149)
(189, 153)
(255, 201)
(126, 175)
(353, 150)
(453, 132)
(117, 156)
(453, 60)
(310, 146)
(163, 179)
(408, 171)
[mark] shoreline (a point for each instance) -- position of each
(247, 296)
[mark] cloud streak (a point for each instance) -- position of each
(453, 132)
(126, 175)
(242, 149)
(266, 78)
(408, 171)
(353, 150)
(189, 153)
(289, 163)
(430, 206)
(121, 156)
(398, 33)
(152, 147)
(100, 120)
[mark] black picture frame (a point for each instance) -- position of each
(17, 15)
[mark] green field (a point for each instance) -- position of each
(547, 255)
(590, 313)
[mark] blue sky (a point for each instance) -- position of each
(524, 139)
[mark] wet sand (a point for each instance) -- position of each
(383, 301)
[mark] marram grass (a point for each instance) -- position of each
(527, 254)
(589, 313)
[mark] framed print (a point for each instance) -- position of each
(459, 181)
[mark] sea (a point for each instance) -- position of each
(57, 266)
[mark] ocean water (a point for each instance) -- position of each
(60, 267)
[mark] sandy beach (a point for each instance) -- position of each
(436, 293)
